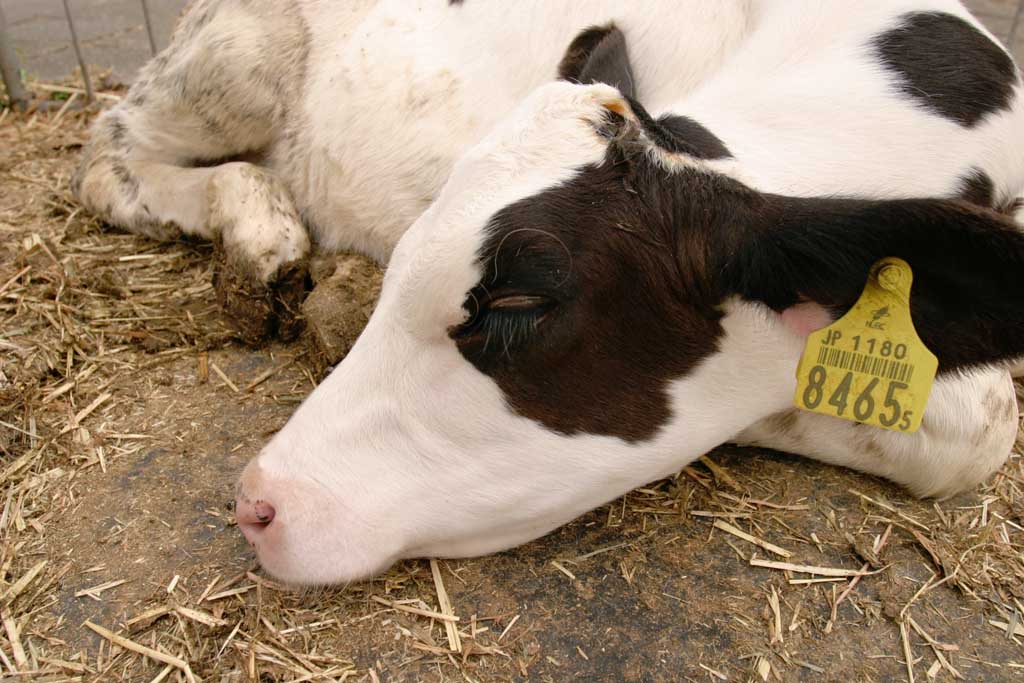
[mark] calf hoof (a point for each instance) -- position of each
(260, 311)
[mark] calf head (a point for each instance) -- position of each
(583, 309)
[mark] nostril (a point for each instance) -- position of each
(254, 516)
(264, 512)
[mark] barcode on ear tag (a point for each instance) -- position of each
(870, 366)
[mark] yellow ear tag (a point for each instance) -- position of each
(870, 366)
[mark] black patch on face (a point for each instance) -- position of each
(598, 292)
(613, 314)
(977, 188)
(454, 2)
(947, 66)
(599, 55)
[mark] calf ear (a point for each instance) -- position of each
(599, 55)
(967, 299)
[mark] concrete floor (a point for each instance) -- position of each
(113, 34)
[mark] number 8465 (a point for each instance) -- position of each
(864, 405)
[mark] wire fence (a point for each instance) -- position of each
(11, 71)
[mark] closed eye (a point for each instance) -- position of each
(518, 303)
(501, 322)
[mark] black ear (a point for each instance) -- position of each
(599, 55)
(967, 299)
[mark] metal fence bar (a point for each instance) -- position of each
(1018, 15)
(78, 53)
(149, 26)
(10, 68)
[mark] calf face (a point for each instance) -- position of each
(584, 309)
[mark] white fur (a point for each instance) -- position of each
(255, 219)
(406, 449)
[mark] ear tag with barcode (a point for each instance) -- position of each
(870, 366)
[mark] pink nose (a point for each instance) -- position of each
(253, 517)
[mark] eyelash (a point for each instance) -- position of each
(509, 328)
(506, 327)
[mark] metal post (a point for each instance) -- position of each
(1011, 37)
(10, 69)
(78, 53)
(149, 26)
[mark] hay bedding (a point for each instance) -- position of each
(126, 410)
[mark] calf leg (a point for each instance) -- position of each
(969, 427)
(155, 163)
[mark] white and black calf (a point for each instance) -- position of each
(593, 291)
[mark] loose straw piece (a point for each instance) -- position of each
(720, 473)
(773, 602)
(805, 569)
(879, 544)
(199, 616)
(161, 657)
(14, 638)
(557, 565)
(414, 610)
(907, 653)
(739, 533)
(265, 375)
(890, 508)
(163, 674)
(21, 584)
(71, 90)
(454, 642)
(1018, 629)
(85, 412)
(230, 593)
(95, 591)
(224, 378)
(14, 278)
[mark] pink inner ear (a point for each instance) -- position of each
(805, 317)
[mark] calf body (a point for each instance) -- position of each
(346, 120)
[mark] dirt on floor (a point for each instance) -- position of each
(127, 409)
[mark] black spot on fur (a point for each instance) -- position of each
(454, 2)
(1011, 207)
(118, 131)
(977, 188)
(947, 66)
(690, 137)
(129, 183)
(785, 422)
(599, 55)
(967, 299)
(680, 134)
(138, 93)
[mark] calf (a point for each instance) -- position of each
(625, 219)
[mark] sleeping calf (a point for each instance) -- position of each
(593, 291)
